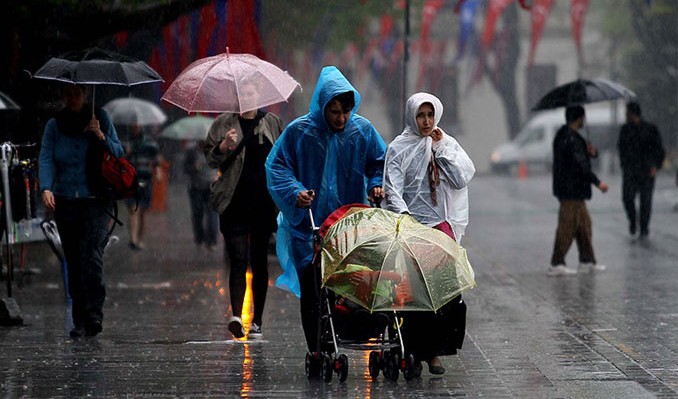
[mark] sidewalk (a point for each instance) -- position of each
(609, 335)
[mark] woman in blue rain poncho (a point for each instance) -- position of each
(325, 159)
(426, 176)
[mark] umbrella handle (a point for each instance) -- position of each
(310, 214)
(315, 229)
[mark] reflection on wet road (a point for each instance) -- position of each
(605, 335)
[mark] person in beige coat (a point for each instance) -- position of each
(237, 145)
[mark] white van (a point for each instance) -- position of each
(534, 144)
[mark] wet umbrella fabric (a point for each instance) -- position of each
(583, 91)
(96, 66)
(7, 104)
(387, 261)
(220, 84)
(189, 128)
(135, 111)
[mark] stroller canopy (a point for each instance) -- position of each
(387, 261)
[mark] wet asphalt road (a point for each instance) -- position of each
(612, 334)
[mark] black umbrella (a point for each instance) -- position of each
(7, 104)
(97, 67)
(49, 227)
(583, 91)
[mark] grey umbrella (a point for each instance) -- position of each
(582, 91)
(135, 111)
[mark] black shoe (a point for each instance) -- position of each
(416, 369)
(93, 328)
(135, 246)
(435, 369)
(632, 229)
(77, 332)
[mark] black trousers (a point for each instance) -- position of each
(83, 226)
(643, 186)
(247, 245)
(429, 334)
(203, 219)
(309, 303)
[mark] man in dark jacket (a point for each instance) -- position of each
(641, 154)
(572, 179)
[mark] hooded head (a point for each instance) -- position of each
(331, 83)
(412, 108)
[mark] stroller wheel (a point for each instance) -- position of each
(326, 367)
(391, 365)
(409, 371)
(374, 365)
(341, 367)
(313, 365)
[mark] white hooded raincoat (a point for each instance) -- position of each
(406, 181)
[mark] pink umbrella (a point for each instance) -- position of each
(230, 83)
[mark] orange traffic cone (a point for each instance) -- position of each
(522, 170)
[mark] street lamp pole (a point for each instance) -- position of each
(406, 58)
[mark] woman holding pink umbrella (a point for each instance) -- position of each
(237, 145)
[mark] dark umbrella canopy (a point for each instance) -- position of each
(583, 91)
(96, 66)
(7, 104)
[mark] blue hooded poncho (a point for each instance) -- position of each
(340, 166)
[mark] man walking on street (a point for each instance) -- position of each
(572, 179)
(641, 154)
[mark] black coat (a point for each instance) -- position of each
(640, 149)
(572, 175)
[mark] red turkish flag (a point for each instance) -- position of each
(494, 10)
(577, 11)
(242, 33)
(539, 14)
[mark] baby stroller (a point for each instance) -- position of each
(365, 283)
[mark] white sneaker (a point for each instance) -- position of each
(235, 327)
(593, 267)
(560, 270)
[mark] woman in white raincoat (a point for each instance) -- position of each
(426, 176)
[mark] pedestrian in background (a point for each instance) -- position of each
(203, 219)
(237, 145)
(641, 154)
(325, 159)
(572, 180)
(67, 184)
(142, 152)
(426, 176)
